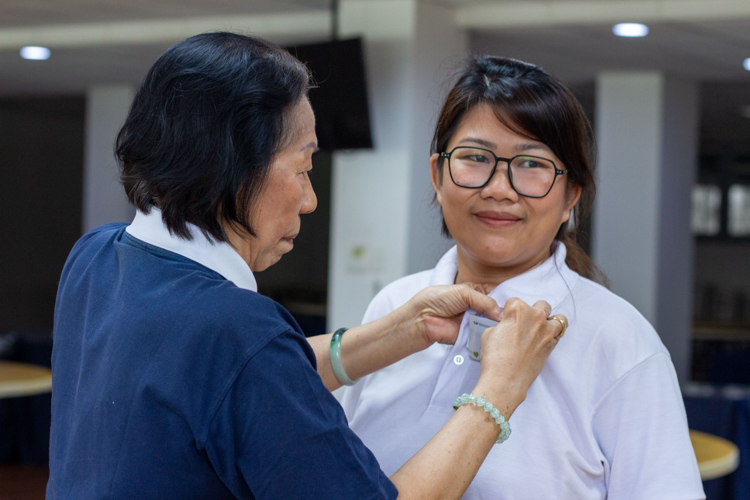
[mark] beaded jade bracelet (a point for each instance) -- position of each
(473, 399)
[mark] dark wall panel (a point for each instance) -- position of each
(41, 169)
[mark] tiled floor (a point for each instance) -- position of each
(23, 482)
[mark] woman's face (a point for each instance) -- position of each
(286, 195)
(494, 226)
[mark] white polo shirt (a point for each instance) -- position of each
(605, 418)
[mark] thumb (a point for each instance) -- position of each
(483, 303)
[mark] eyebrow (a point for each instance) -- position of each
(481, 142)
(533, 145)
(526, 146)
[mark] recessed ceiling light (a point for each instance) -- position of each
(35, 53)
(746, 64)
(630, 29)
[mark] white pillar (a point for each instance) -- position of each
(647, 128)
(382, 225)
(103, 197)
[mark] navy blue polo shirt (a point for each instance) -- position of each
(171, 382)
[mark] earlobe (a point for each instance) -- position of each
(437, 182)
(573, 195)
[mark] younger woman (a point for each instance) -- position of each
(511, 162)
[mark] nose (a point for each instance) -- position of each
(499, 186)
(309, 200)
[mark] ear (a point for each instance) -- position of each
(572, 195)
(437, 178)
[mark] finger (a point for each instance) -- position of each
(515, 305)
(479, 287)
(482, 303)
(544, 306)
(559, 325)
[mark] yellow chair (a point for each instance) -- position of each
(22, 379)
(716, 456)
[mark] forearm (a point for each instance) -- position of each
(433, 315)
(370, 347)
(446, 465)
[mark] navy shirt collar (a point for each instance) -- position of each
(217, 256)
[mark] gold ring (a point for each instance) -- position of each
(564, 326)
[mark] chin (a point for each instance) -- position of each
(265, 264)
(496, 253)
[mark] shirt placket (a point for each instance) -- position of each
(459, 373)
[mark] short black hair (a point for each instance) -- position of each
(204, 127)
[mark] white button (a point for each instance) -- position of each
(459, 360)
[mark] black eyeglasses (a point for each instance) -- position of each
(530, 176)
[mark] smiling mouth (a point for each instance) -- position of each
(495, 219)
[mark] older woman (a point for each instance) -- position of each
(605, 419)
(174, 378)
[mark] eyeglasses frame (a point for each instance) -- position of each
(447, 156)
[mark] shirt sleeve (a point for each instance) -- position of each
(279, 433)
(641, 428)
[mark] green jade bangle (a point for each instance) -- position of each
(473, 399)
(336, 363)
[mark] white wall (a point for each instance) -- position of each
(383, 226)
(646, 126)
(103, 197)
(629, 134)
(676, 260)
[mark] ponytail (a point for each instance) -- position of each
(576, 258)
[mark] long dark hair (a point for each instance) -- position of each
(203, 128)
(530, 102)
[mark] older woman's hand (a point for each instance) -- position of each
(435, 313)
(514, 352)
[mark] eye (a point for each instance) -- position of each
(531, 163)
(305, 167)
(472, 156)
(479, 158)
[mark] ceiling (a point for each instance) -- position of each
(700, 50)
(707, 51)
(15, 13)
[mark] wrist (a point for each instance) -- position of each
(488, 407)
(503, 395)
(410, 325)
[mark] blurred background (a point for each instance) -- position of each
(668, 94)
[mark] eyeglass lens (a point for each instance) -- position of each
(530, 175)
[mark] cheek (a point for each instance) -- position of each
(455, 203)
(456, 209)
(549, 215)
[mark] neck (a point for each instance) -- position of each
(472, 270)
(240, 244)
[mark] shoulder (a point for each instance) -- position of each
(246, 319)
(396, 294)
(615, 329)
(97, 238)
(100, 235)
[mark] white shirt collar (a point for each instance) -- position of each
(552, 280)
(217, 256)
